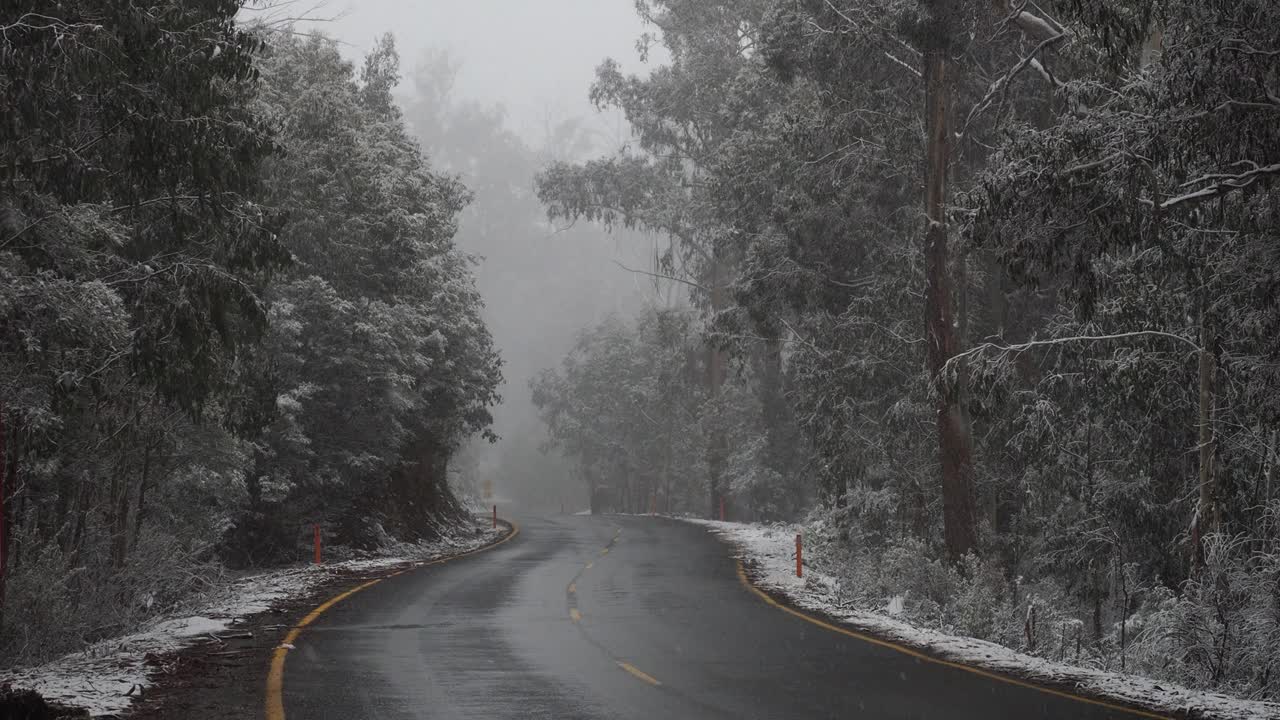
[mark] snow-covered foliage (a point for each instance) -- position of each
(965, 618)
(230, 308)
(1017, 264)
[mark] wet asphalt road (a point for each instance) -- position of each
(550, 625)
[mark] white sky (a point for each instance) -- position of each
(535, 57)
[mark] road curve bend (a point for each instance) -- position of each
(616, 618)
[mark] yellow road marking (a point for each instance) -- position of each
(588, 567)
(573, 588)
(604, 551)
(638, 673)
(275, 676)
(742, 575)
(574, 615)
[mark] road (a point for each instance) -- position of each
(614, 618)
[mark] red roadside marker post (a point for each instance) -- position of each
(316, 529)
(495, 516)
(799, 557)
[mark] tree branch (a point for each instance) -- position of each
(690, 283)
(1225, 184)
(1021, 347)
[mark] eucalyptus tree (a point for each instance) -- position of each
(624, 404)
(377, 365)
(1160, 185)
(682, 115)
(130, 244)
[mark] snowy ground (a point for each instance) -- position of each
(104, 678)
(770, 551)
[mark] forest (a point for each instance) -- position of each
(231, 308)
(982, 295)
(987, 294)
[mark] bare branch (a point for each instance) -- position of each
(659, 276)
(1022, 347)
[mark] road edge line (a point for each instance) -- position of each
(785, 606)
(274, 704)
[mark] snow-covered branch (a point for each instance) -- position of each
(1220, 184)
(1033, 344)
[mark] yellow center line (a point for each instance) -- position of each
(574, 615)
(275, 675)
(573, 588)
(638, 673)
(604, 551)
(742, 575)
(588, 567)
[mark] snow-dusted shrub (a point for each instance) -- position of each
(57, 602)
(925, 583)
(1222, 630)
(982, 605)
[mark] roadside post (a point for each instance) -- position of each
(316, 531)
(799, 557)
(495, 516)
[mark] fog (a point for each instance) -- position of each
(493, 89)
(534, 57)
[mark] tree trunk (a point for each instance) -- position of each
(1207, 513)
(141, 509)
(717, 368)
(919, 511)
(588, 476)
(6, 526)
(1269, 477)
(955, 452)
(120, 517)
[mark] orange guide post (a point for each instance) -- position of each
(316, 527)
(495, 516)
(799, 557)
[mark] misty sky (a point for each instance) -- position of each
(536, 57)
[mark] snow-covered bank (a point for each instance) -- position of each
(105, 678)
(769, 552)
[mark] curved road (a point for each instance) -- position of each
(613, 618)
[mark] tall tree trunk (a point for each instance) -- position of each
(120, 517)
(6, 525)
(717, 368)
(955, 452)
(1207, 513)
(141, 509)
(1269, 476)
(588, 476)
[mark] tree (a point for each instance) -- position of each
(377, 365)
(665, 186)
(129, 239)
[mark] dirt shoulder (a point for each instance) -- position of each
(214, 663)
(224, 676)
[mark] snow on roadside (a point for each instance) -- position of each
(106, 677)
(770, 552)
